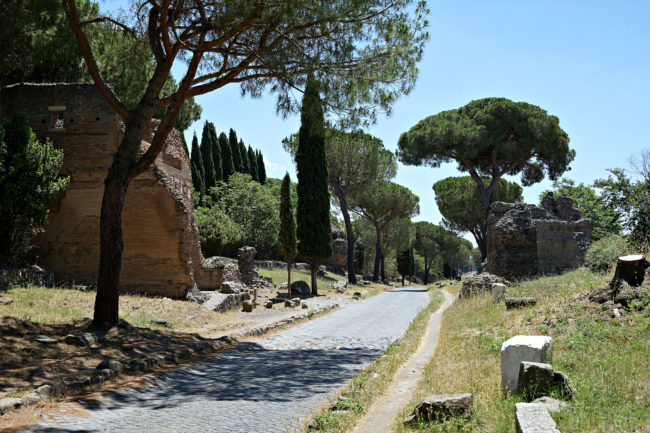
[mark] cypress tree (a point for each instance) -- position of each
(234, 148)
(216, 153)
(261, 170)
(187, 151)
(287, 236)
(210, 176)
(404, 263)
(244, 157)
(226, 157)
(253, 162)
(313, 215)
(196, 165)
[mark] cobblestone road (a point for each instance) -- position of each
(270, 385)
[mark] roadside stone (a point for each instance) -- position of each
(535, 379)
(300, 288)
(82, 339)
(31, 399)
(6, 301)
(45, 339)
(304, 306)
(58, 389)
(222, 303)
(115, 366)
(340, 286)
(533, 418)
(268, 304)
(288, 303)
(295, 302)
(498, 292)
(512, 303)
(551, 404)
(232, 287)
(80, 287)
(357, 294)
(44, 391)
(522, 348)
(79, 383)
(436, 408)
(356, 298)
(161, 322)
(247, 306)
(10, 404)
(478, 283)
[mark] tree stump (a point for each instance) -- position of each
(631, 269)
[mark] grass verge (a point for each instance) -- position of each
(373, 381)
(606, 359)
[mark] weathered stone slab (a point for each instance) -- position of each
(81, 339)
(9, 404)
(6, 301)
(44, 339)
(340, 286)
(520, 348)
(533, 418)
(161, 322)
(300, 288)
(551, 404)
(229, 287)
(443, 406)
(477, 283)
(110, 364)
(221, 302)
(31, 398)
(498, 292)
(512, 303)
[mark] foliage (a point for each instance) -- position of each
(460, 204)
(237, 162)
(216, 153)
(406, 263)
(603, 253)
(586, 199)
(287, 244)
(197, 167)
(29, 177)
(427, 244)
(261, 169)
(252, 160)
(490, 138)
(227, 164)
(313, 218)
(218, 233)
(244, 157)
(210, 177)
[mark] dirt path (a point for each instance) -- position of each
(379, 418)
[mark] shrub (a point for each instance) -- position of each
(29, 177)
(217, 231)
(603, 253)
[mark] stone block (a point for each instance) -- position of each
(533, 418)
(268, 304)
(9, 404)
(82, 339)
(232, 287)
(532, 348)
(31, 398)
(247, 306)
(498, 292)
(512, 303)
(443, 406)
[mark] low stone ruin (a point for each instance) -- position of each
(478, 283)
(525, 240)
(436, 408)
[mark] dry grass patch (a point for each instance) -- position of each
(607, 360)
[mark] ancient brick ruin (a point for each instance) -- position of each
(162, 255)
(524, 240)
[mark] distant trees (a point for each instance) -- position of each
(406, 263)
(428, 244)
(460, 204)
(29, 177)
(287, 243)
(197, 167)
(490, 138)
(380, 203)
(313, 211)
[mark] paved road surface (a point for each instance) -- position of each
(270, 385)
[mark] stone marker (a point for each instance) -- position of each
(498, 292)
(538, 379)
(247, 306)
(512, 303)
(533, 418)
(6, 301)
(443, 406)
(9, 404)
(534, 348)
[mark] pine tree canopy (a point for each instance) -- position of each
(313, 211)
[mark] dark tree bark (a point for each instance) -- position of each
(352, 277)
(314, 284)
(375, 271)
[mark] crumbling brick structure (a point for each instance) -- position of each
(524, 240)
(162, 255)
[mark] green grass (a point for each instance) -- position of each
(607, 361)
(373, 381)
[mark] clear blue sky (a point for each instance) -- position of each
(587, 62)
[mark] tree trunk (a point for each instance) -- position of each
(110, 252)
(375, 272)
(314, 286)
(288, 280)
(402, 280)
(383, 267)
(426, 271)
(352, 278)
(631, 269)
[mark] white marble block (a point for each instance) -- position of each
(532, 348)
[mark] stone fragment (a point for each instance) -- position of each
(31, 398)
(247, 306)
(246, 263)
(229, 287)
(512, 303)
(478, 283)
(222, 303)
(45, 339)
(356, 298)
(288, 303)
(551, 404)
(436, 408)
(498, 292)
(520, 348)
(44, 391)
(6, 301)
(300, 288)
(535, 379)
(295, 302)
(58, 389)
(115, 366)
(10, 404)
(357, 294)
(82, 339)
(80, 287)
(161, 322)
(268, 304)
(304, 306)
(340, 286)
(533, 418)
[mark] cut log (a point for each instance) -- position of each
(631, 269)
